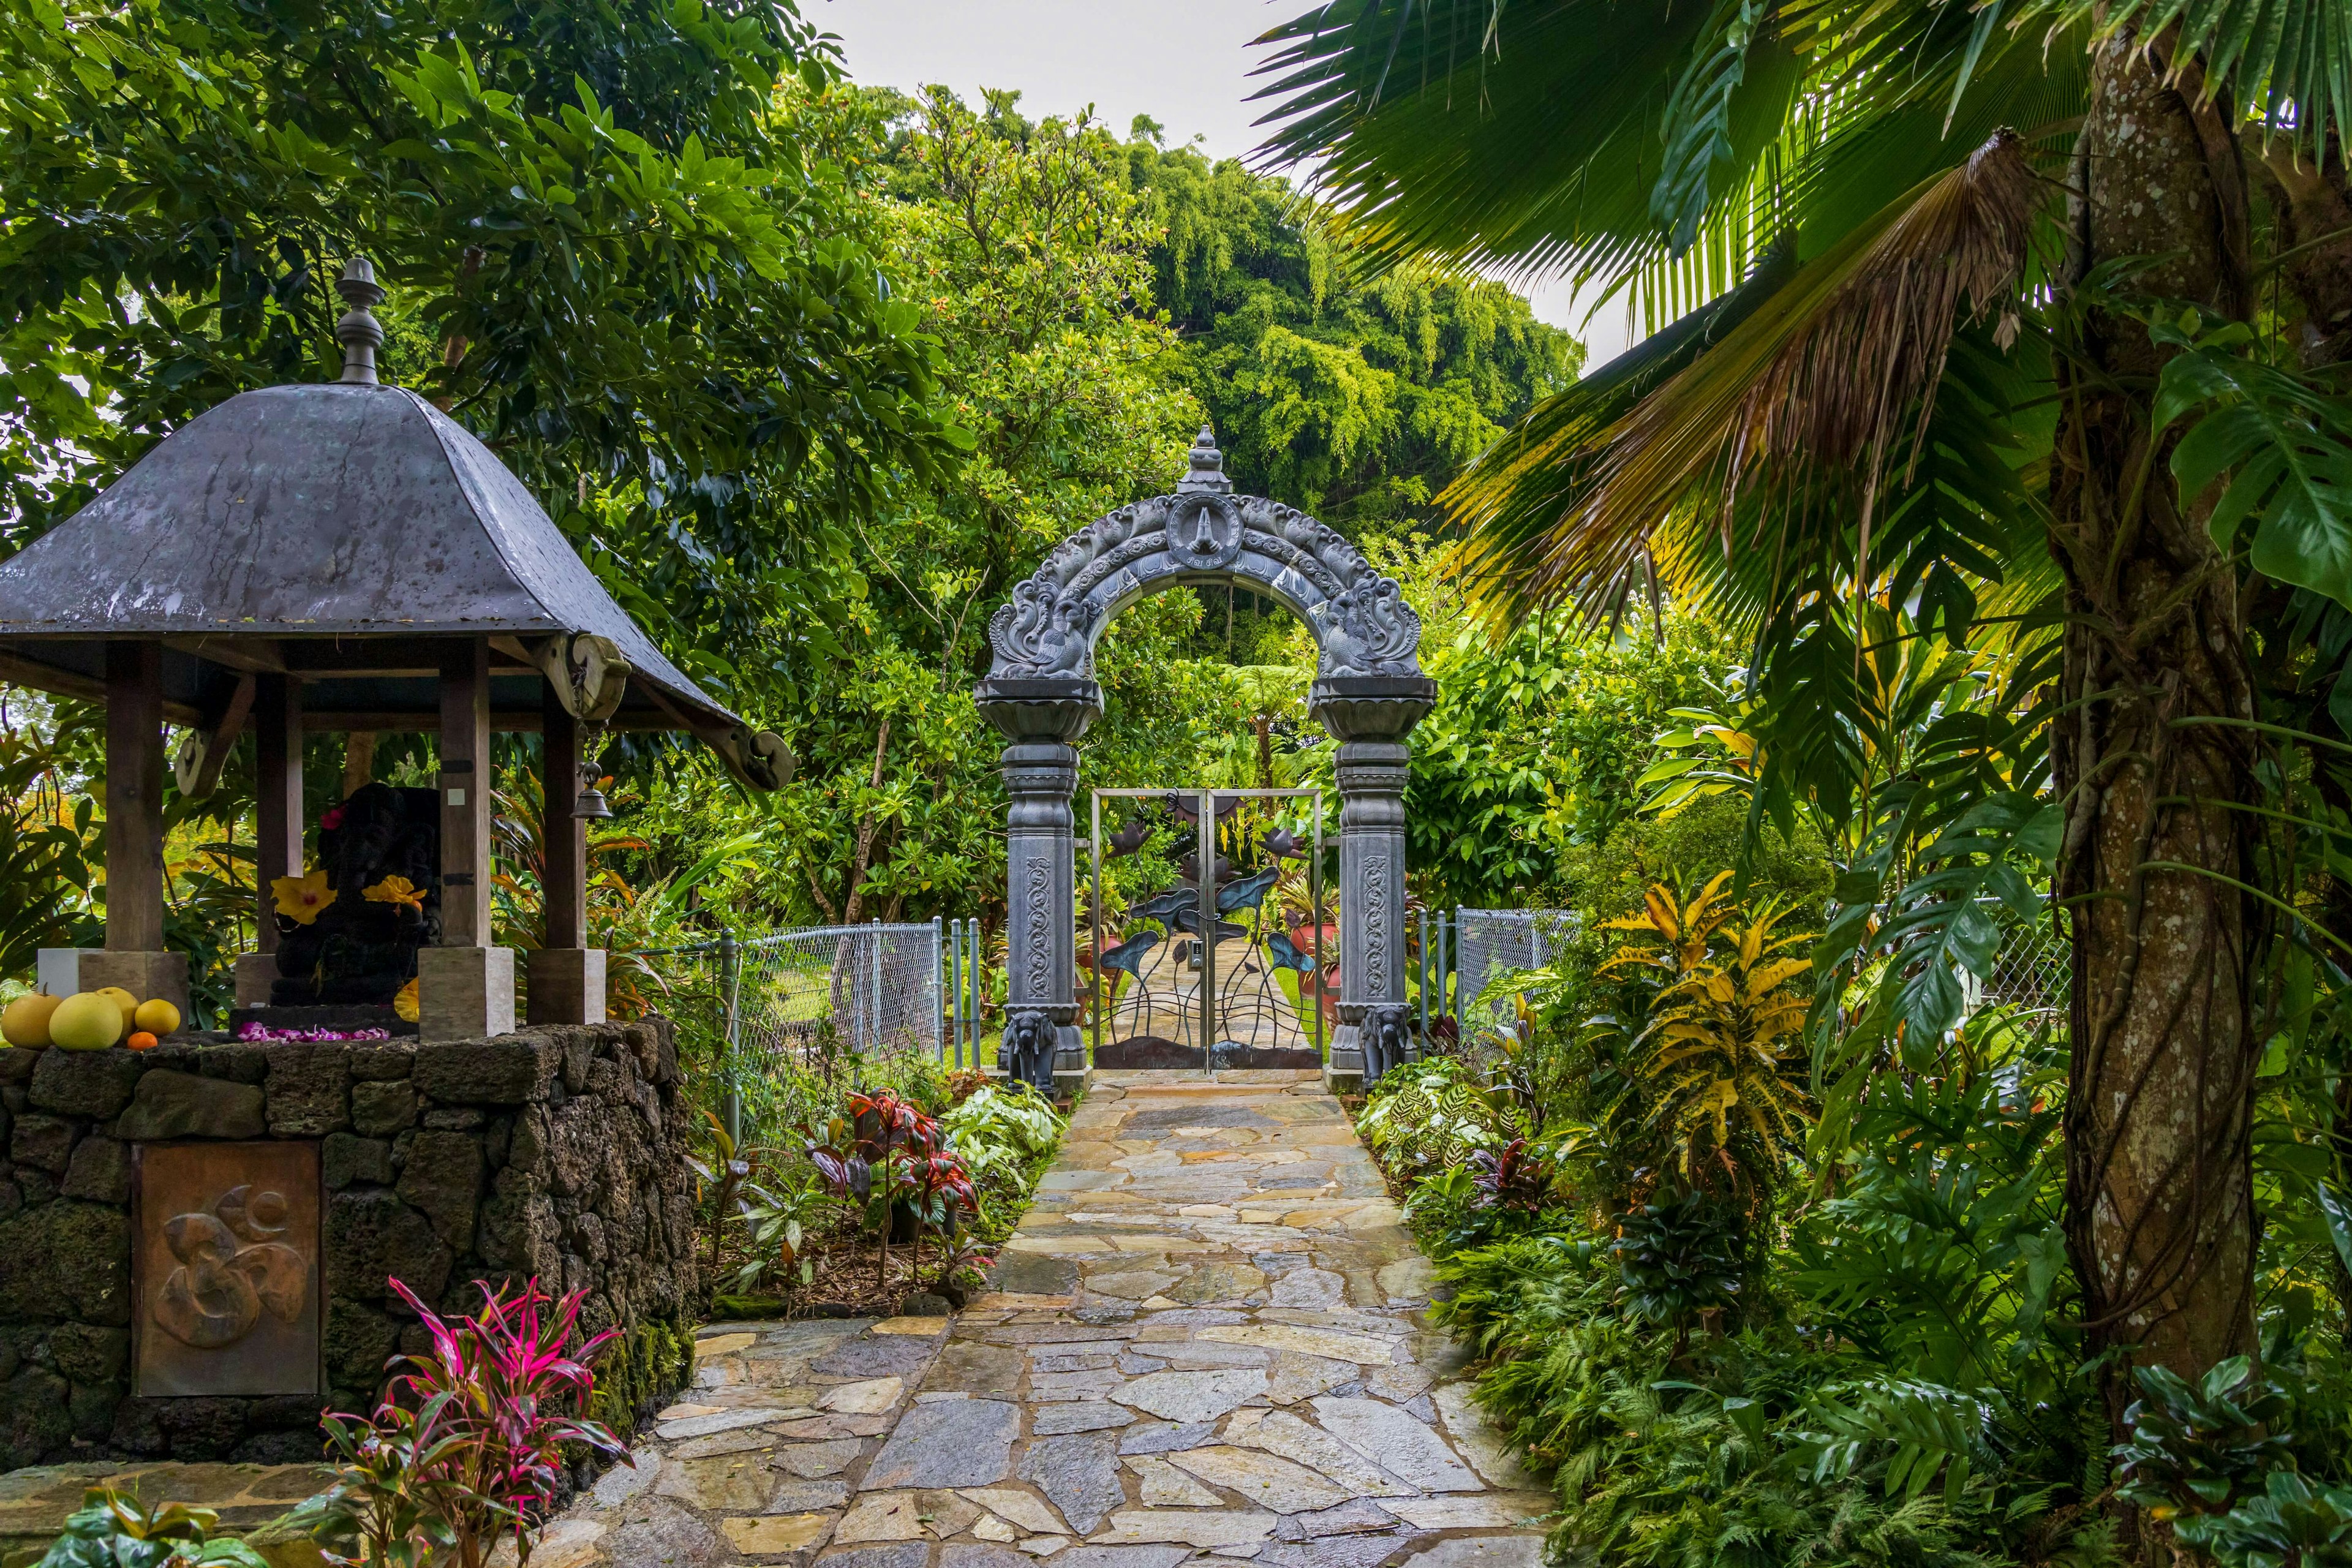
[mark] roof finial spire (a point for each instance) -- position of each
(1208, 470)
(358, 331)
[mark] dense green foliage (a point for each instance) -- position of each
(1355, 399)
(2012, 450)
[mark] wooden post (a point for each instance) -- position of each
(563, 836)
(464, 987)
(134, 798)
(567, 975)
(278, 782)
(465, 798)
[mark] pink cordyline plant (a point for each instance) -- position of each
(469, 1442)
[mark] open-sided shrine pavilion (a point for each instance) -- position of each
(345, 557)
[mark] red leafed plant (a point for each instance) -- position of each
(468, 1441)
(894, 1136)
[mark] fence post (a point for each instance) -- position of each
(873, 994)
(1450, 958)
(1421, 970)
(731, 986)
(939, 995)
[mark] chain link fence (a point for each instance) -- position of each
(1492, 941)
(2034, 968)
(768, 1013)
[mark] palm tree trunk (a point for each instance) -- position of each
(2158, 1180)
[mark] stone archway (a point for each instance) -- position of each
(1041, 694)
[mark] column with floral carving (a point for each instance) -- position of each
(1039, 718)
(1370, 716)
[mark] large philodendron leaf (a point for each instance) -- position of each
(2275, 446)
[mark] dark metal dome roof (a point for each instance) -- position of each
(336, 511)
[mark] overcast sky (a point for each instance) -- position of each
(1186, 65)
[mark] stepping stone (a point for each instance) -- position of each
(1397, 1443)
(1165, 1486)
(767, 1535)
(1192, 1395)
(1130, 1284)
(1522, 1551)
(1358, 1516)
(1079, 1473)
(809, 1460)
(1329, 1343)
(1489, 1511)
(891, 1554)
(1293, 1377)
(1053, 1420)
(723, 1421)
(955, 1442)
(969, 1366)
(880, 1516)
(1477, 1441)
(1262, 1478)
(715, 1345)
(1309, 1288)
(1166, 1436)
(876, 1355)
(1194, 1527)
(963, 1554)
(1282, 1433)
(1020, 1507)
(869, 1397)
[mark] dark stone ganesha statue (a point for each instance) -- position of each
(380, 854)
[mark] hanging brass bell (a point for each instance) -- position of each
(592, 802)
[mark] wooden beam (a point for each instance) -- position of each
(465, 792)
(19, 670)
(254, 656)
(563, 837)
(335, 721)
(134, 796)
(277, 786)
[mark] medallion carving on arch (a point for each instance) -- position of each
(1204, 531)
(1048, 626)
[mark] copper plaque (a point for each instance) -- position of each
(225, 1270)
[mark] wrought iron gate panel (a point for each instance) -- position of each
(1267, 975)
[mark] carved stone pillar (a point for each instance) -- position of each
(1039, 718)
(1370, 716)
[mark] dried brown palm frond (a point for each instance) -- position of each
(1817, 384)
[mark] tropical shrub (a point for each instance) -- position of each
(109, 1530)
(467, 1447)
(1707, 1066)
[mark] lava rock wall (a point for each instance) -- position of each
(557, 1153)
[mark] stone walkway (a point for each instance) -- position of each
(1207, 1340)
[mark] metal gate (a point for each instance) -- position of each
(1231, 965)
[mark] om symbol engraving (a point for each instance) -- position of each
(230, 1272)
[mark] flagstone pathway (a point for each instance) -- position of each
(1208, 1340)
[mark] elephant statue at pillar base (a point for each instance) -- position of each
(1031, 1039)
(1382, 1038)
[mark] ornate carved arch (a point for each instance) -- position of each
(1204, 534)
(1041, 694)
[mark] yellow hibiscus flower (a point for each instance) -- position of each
(404, 1003)
(299, 898)
(395, 890)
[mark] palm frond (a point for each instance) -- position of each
(1821, 377)
(2291, 58)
